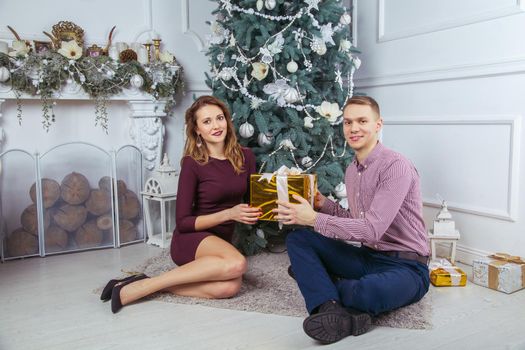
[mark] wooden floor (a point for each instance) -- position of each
(48, 303)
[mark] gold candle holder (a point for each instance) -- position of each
(148, 50)
(156, 44)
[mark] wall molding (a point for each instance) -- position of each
(506, 65)
(186, 26)
(516, 8)
(514, 122)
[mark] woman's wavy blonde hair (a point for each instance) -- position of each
(232, 149)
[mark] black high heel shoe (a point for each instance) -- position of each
(106, 292)
(116, 303)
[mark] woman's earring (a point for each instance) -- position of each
(198, 143)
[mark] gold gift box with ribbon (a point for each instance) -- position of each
(444, 274)
(448, 276)
(266, 188)
(500, 271)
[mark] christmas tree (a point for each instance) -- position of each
(285, 69)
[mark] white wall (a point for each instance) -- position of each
(449, 77)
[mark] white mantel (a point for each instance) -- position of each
(146, 128)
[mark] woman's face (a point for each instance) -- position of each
(211, 124)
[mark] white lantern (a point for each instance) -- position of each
(161, 187)
(443, 224)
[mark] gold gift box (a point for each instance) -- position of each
(263, 194)
(448, 276)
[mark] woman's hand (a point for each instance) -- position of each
(244, 213)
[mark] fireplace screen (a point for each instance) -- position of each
(74, 197)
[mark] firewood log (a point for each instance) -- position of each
(50, 192)
(128, 205)
(74, 188)
(99, 202)
(29, 219)
(105, 222)
(55, 239)
(21, 242)
(128, 231)
(88, 235)
(105, 185)
(70, 217)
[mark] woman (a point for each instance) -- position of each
(215, 172)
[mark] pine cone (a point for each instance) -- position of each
(127, 55)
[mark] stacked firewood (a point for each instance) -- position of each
(76, 216)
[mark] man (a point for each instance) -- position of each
(343, 284)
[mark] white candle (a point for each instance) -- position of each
(4, 47)
(142, 55)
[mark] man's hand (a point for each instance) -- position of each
(319, 200)
(300, 213)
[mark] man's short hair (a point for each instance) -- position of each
(364, 101)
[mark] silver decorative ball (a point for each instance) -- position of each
(340, 190)
(270, 4)
(307, 162)
(246, 130)
(136, 81)
(264, 140)
(4, 74)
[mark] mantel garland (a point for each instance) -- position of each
(46, 74)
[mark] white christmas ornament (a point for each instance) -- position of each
(246, 130)
(259, 5)
(292, 66)
(259, 232)
(318, 46)
(306, 162)
(308, 122)
(270, 4)
(345, 19)
(4, 74)
(264, 140)
(340, 190)
(291, 96)
(225, 74)
(136, 81)
(259, 70)
(287, 143)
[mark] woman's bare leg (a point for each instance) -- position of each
(217, 269)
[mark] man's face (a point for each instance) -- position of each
(361, 126)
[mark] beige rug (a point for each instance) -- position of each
(267, 288)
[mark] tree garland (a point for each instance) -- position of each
(45, 74)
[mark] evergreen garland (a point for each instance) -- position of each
(45, 74)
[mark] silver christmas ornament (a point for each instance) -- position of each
(246, 130)
(340, 190)
(264, 140)
(291, 96)
(270, 4)
(136, 81)
(306, 162)
(259, 5)
(292, 66)
(4, 74)
(345, 19)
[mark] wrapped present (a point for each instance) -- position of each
(266, 188)
(500, 271)
(443, 274)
